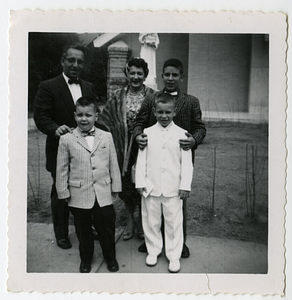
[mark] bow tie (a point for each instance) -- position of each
(175, 93)
(76, 81)
(88, 133)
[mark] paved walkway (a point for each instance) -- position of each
(208, 255)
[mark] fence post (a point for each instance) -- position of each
(214, 176)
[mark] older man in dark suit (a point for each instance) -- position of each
(54, 116)
(188, 116)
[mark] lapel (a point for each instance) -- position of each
(66, 95)
(169, 134)
(80, 139)
(83, 87)
(180, 101)
(158, 133)
(97, 139)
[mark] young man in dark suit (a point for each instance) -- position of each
(188, 116)
(54, 116)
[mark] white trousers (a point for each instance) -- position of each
(152, 210)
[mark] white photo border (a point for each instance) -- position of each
(25, 21)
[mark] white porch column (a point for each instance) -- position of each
(150, 42)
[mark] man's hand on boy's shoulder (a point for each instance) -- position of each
(183, 194)
(62, 130)
(189, 143)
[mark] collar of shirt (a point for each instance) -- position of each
(67, 79)
(75, 89)
(175, 93)
(89, 138)
(92, 129)
(167, 128)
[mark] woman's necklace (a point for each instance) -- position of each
(135, 93)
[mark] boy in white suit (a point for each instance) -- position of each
(163, 177)
(88, 176)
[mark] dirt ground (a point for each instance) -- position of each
(229, 197)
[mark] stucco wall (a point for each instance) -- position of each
(259, 78)
(219, 70)
(172, 45)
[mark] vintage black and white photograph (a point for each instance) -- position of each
(148, 153)
(221, 82)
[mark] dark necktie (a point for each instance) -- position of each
(76, 81)
(87, 133)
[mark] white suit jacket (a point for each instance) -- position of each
(84, 174)
(163, 166)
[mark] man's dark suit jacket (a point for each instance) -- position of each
(54, 106)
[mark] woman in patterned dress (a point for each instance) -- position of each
(118, 116)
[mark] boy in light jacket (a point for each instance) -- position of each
(163, 177)
(88, 177)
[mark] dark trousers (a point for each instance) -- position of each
(103, 219)
(184, 207)
(60, 213)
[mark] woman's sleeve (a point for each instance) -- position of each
(143, 116)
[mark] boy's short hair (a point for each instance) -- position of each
(86, 101)
(173, 62)
(163, 98)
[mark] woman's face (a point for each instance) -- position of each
(136, 77)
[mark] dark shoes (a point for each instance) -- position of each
(64, 243)
(142, 248)
(185, 252)
(113, 266)
(85, 267)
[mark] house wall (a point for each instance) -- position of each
(229, 73)
(172, 45)
(132, 40)
(219, 71)
(259, 78)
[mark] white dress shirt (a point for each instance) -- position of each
(90, 139)
(74, 88)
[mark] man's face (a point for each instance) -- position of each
(164, 113)
(73, 63)
(85, 117)
(172, 78)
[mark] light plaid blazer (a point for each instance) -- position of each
(84, 174)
